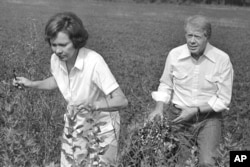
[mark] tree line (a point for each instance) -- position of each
(222, 2)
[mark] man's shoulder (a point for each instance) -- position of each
(219, 53)
(179, 48)
(177, 51)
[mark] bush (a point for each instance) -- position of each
(157, 144)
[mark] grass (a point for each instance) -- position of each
(134, 39)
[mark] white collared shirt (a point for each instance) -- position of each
(188, 82)
(89, 80)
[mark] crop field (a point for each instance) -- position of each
(134, 39)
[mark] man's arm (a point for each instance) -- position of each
(221, 100)
(163, 94)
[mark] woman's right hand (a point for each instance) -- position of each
(22, 81)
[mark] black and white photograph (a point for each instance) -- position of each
(124, 83)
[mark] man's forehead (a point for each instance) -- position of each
(195, 30)
(197, 27)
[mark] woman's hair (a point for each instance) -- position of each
(70, 24)
(200, 22)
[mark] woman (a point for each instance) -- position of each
(91, 91)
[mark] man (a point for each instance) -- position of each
(197, 84)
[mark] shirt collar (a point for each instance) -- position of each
(78, 64)
(79, 60)
(185, 53)
(207, 53)
(62, 65)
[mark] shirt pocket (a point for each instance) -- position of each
(180, 79)
(210, 83)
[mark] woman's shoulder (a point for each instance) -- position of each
(90, 55)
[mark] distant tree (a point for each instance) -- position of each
(223, 2)
(235, 2)
(208, 1)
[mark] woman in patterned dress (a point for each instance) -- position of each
(92, 121)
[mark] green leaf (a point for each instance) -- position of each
(75, 147)
(82, 158)
(103, 150)
(91, 150)
(63, 140)
(68, 157)
(78, 127)
(101, 123)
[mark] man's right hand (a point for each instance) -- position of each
(156, 115)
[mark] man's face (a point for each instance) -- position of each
(196, 40)
(63, 47)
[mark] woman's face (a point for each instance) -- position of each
(63, 47)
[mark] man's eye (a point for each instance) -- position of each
(197, 37)
(189, 36)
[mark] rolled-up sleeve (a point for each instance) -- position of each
(221, 100)
(165, 87)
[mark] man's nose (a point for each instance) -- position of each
(192, 39)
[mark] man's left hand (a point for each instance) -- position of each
(186, 114)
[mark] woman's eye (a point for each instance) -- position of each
(62, 45)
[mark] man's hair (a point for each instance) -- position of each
(201, 22)
(68, 23)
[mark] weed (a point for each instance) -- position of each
(134, 44)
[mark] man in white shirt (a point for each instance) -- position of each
(197, 84)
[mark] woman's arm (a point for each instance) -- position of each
(46, 84)
(116, 100)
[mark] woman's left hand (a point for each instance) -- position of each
(88, 107)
